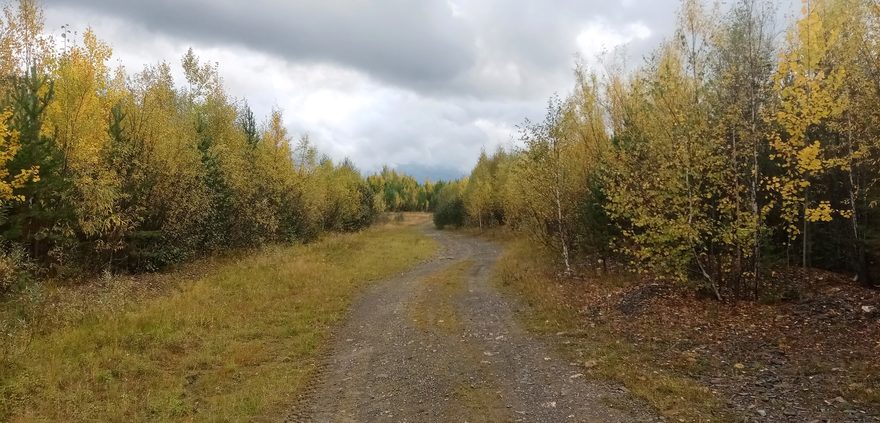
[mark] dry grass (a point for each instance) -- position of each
(696, 359)
(434, 308)
(236, 341)
(606, 354)
(479, 403)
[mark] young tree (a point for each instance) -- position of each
(478, 193)
(852, 147)
(740, 94)
(544, 180)
(809, 94)
(77, 117)
(9, 147)
(449, 209)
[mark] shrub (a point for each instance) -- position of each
(15, 269)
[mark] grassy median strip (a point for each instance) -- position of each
(237, 343)
(434, 307)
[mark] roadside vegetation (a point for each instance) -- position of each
(229, 338)
(557, 310)
(108, 173)
(730, 153)
(114, 170)
(709, 219)
(695, 359)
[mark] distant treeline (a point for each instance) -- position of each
(399, 192)
(730, 151)
(101, 169)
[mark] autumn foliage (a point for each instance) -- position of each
(729, 152)
(103, 169)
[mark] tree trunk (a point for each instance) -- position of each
(736, 281)
(860, 260)
(804, 236)
(562, 237)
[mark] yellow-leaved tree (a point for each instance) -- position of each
(77, 119)
(809, 86)
(9, 146)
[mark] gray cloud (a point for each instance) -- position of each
(423, 45)
(421, 85)
(411, 42)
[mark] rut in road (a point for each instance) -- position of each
(439, 343)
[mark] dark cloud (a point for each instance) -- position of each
(422, 85)
(406, 42)
(492, 47)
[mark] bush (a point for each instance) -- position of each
(15, 269)
(449, 206)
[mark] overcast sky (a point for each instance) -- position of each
(421, 85)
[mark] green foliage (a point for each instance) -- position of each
(450, 208)
(483, 197)
(42, 221)
(397, 192)
(15, 269)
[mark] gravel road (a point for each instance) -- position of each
(421, 348)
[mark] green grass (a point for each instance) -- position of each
(524, 273)
(236, 343)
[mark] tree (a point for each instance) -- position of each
(106, 170)
(850, 140)
(809, 100)
(450, 209)
(544, 180)
(740, 93)
(248, 124)
(9, 147)
(478, 193)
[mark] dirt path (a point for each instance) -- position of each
(439, 343)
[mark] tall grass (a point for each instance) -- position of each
(236, 343)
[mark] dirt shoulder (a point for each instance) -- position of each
(812, 359)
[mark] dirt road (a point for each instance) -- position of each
(439, 343)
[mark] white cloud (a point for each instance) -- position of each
(455, 8)
(497, 133)
(598, 37)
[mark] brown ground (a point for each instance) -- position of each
(439, 343)
(811, 358)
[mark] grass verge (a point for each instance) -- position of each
(529, 275)
(237, 342)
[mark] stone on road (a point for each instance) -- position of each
(419, 349)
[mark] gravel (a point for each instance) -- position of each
(381, 366)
